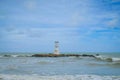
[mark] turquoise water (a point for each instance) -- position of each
(106, 64)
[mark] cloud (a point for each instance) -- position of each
(2, 17)
(113, 23)
(115, 0)
(57, 32)
(30, 4)
(12, 33)
(60, 33)
(58, 12)
(65, 13)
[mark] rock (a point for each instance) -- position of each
(61, 55)
(97, 54)
(7, 55)
(86, 55)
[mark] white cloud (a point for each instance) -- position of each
(115, 0)
(112, 23)
(39, 33)
(30, 4)
(2, 17)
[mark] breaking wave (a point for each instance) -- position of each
(103, 58)
(57, 77)
(14, 55)
(110, 59)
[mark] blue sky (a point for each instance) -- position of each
(79, 25)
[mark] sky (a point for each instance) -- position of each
(78, 25)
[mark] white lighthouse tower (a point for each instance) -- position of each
(56, 51)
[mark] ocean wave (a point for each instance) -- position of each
(45, 62)
(57, 77)
(14, 55)
(110, 59)
(104, 58)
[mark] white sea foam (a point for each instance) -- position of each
(113, 59)
(14, 55)
(57, 77)
(116, 59)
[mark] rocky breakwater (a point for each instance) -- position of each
(61, 55)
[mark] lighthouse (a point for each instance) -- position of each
(56, 51)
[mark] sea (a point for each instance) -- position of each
(21, 66)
